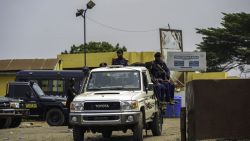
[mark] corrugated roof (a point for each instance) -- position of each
(27, 64)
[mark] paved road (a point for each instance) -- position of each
(40, 131)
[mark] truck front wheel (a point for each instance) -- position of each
(156, 125)
(15, 122)
(55, 117)
(107, 134)
(2, 122)
(5, 122)
(78, 133)
(138, 129)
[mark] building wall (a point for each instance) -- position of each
(59, 65)
(70, 61)
(4, 80)
(208, 75)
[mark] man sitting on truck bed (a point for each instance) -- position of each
(161, 77)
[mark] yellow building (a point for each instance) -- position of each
(5, 78)
(207, 75)
(76, 61)
(8, 69)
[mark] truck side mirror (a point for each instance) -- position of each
(150, 86)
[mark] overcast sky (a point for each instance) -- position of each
(44, 28)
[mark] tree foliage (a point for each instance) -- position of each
(227, 47)
(94, 47)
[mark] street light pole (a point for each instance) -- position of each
(84, 45)
(82, 13)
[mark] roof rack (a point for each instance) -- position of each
(115, 66)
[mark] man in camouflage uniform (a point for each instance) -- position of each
(161, 78)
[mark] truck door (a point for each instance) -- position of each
(149, 99)
(31, 101)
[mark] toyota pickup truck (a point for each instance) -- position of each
(116, 98)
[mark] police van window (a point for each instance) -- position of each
(58, 86)
(45, 85)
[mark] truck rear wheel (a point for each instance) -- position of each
(15, 122)
(156, 125)
(107, 134)
(138, 129)
(78, 133)
(55, 117)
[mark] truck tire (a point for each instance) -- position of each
(5, 122)
(55, 117)
(2, 122)
(156, 125)
(107, 134)
(138, 129)
(78, 133)
(15, 122)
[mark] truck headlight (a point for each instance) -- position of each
(76, 106)
(129, 105)
(14, 105)
(64, 103)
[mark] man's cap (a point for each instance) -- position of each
(157, 54)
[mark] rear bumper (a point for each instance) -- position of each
(14, 112)
(107, 119)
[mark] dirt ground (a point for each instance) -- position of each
(40, 131)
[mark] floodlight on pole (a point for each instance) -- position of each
(90, 5)
(82, 12)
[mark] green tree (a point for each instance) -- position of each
(94, 47)
(227, 47)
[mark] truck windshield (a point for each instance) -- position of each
(114, 80)
(38, 90)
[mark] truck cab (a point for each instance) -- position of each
(116, 98)
(49, 108)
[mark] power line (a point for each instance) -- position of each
(119, 29)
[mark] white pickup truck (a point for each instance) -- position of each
(116, 98)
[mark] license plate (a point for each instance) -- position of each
(31, 105)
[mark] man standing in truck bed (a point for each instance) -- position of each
(120, 60)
